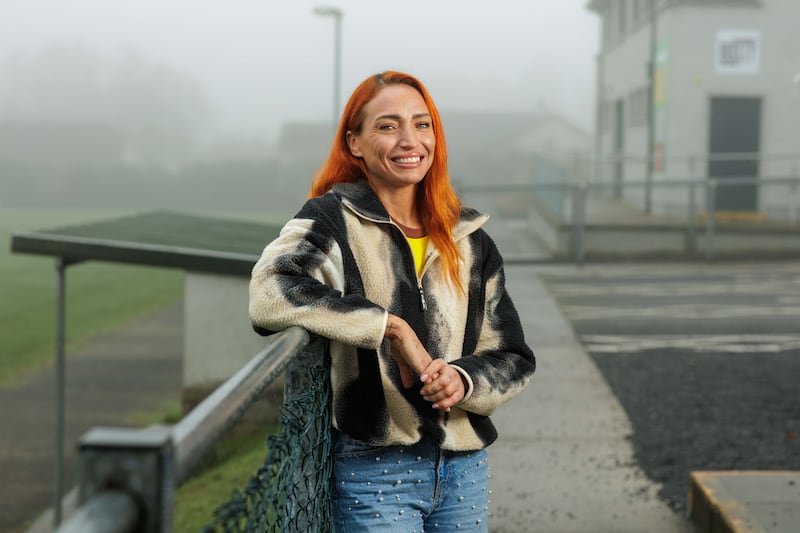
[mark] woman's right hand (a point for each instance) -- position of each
(407, 350)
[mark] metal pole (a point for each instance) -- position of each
(711, 190)
(578, 221)
(60, 380)
(651, 74)
(337, 15)
(691, 234)
(599, 121)
(337, 67)
(793, 199)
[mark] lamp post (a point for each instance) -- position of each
(337, 15)
(651, 112)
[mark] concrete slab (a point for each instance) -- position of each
(562, 462)
(745, 501)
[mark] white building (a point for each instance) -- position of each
(725, 80)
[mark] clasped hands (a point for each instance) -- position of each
(443, 385)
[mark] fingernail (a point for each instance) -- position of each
(423, 378)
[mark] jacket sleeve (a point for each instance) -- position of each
(299, 281)
(502, 364)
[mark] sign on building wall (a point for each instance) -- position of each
(737, 52)
(660, 107)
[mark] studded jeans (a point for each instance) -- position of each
(418, 488)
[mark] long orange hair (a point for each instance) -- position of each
(439, 206)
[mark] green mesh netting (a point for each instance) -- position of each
(291, 490)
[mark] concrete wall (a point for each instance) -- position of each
(218, 339)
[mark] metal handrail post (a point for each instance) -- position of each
(58, 452)
(579, 198)
(691, 231)
(138, 463)
(711, 200)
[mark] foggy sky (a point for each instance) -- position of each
(262, 62)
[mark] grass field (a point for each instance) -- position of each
(228, 469)
(99, 295)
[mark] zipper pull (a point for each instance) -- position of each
(423, 305)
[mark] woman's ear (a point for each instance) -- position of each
(352, 143)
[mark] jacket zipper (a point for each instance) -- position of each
(423, 304)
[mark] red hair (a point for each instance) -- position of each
(440, 207)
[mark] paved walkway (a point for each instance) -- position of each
(562, 462)
(135, 368)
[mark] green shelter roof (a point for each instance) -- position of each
(189, 242)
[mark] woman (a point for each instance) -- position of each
(425, 342)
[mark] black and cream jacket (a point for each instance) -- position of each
(341, 265)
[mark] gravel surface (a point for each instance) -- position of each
(704, 358)
(699, 411)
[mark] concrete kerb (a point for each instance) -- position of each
(745, 501)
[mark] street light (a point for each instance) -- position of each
(337, 14)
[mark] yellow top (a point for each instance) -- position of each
(418, 248)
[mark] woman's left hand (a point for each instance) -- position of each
(442, 385)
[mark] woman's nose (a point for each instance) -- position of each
(408, 135)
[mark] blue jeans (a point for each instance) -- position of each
(418, 488)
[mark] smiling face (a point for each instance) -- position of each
(396, 139)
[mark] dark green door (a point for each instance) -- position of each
(735, 129)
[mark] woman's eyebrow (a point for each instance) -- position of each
(398, 117)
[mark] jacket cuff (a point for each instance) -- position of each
(467, 382)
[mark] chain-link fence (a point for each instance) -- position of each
(291, 490)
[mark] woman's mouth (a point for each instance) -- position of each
(408, 160)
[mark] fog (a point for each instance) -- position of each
(160, 87)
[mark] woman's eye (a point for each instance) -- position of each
(424, 125)
(386, 127)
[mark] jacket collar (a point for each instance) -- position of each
(361, 199)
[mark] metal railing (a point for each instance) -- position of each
(710, 188)
(616, 166)
(568, 204)
(127, 477)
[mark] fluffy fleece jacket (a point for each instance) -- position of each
(341, 265)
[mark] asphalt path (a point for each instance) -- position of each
(703, 357)
(130, 369)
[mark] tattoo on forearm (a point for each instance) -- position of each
(391, 331)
